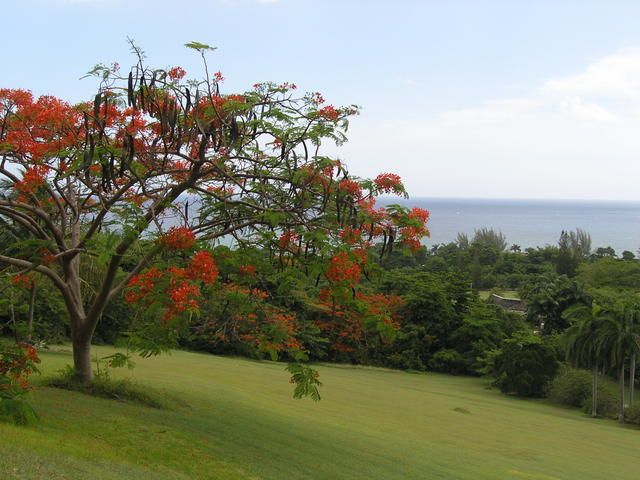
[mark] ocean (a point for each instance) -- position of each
(532, 223)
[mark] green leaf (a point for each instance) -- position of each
(306, 381)
(201, 47)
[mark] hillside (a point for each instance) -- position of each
(241, 422)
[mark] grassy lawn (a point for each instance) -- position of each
(241, 422)
(484, 294)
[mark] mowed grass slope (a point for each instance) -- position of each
(241, 422)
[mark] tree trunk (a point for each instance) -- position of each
(81, 338)
(32, 304)
(632, 379)
(621, 403)
(594, 392)
(12, 316)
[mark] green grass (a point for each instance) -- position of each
(484, 294)
(241, 422)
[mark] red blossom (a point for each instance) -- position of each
(351, 187)
(288, 240)
(176, 73)
(142, 285)
(178, 238)
(329, 112)
(343, 269)
(389, 183)
(351, 236)
(203, 267)
(46, 256)
(248, 269)
(22, 281)
(16, 364)
(33, 178)
(419, 214)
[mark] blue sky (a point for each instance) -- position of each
(498, 99)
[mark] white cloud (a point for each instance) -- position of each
(570, 137)
(617, 76)
(575, 107)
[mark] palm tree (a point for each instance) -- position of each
(582, 341)
(632, 314)
(619, 339)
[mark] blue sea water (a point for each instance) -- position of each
(532, 223)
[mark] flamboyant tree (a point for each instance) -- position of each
(156, 164)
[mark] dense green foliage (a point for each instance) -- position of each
(525, 366)
(438, 322)
(571, 387)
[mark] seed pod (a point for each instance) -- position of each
(234, 131)
(130, 100)
(203, 147)
(141, 92)
(131, 151)
(86, 127)
(188, 94)
(96, 108)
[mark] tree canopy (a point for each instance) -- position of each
(138, 185)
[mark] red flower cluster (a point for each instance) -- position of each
(178, 238)
(267, 327)
(351, 323)
(212, 109)
(384, 307)
(46, 256)
(314, 177)
(248, 269)
(343, 269)
(142, 286)
(419, 214)
(218, 78)
(181, 293)
(144, 289)
(351, 187)
(176, 73)
(33, 178)
(351, 236)
(16, 364)
(416, 229)
(35, 130)
(288, 86)
(22, 281)
(389, 183)
(328, 171)
(329, 112)
(203, 267)
(234, 98)
(288, 240)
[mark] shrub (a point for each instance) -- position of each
(405, 360)
(632, 414)
(448, 361)
(607, 404)
(104, 386)
(17, 411)
(16, 364)
(525, 365)
(572, 388)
